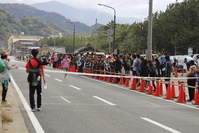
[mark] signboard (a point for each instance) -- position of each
(190, 50)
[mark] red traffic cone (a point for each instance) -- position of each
(196, 101)
(127, 82)
(173, 90)
(176, 73)
(150, 91)
(114, 80)
(121, 81)
(134, 84)
(142, 86)
(104, 79)
(181, 97)
(100, 78)
(157, 91)
(169, 93)
(109, 79)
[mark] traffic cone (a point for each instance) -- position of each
(161, 89)
(196, 101)
(134, 84)
(181, 97)
(176, 73)
(104, 79)
(100, 77)
(109, 79)
(121, 81)
(114, 80)
(173, 90)
(169, 93)
(150, 91)
(127, 82)
(142, 86)
(157, 91)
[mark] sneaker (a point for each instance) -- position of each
(33, 110)
(64, 77)
(38, 109)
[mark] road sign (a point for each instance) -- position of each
(110, 32)
(110, 39)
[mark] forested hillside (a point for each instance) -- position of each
(174, 31)
(21, 10)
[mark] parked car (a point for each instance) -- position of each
(180, 59)
(196, 58)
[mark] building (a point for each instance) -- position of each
(87, 47)
(19, 45)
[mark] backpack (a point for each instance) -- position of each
(2, 66)
(34, 75)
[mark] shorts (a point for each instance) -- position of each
(65, 69)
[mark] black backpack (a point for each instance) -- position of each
(34, 74)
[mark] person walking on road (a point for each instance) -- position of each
(35, 71)
(5, 76)
(65, 64)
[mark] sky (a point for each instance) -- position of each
(124, 8)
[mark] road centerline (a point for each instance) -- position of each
(103, 100)
(65, 99)
(75, 87)
(160, 125)
(58, 80)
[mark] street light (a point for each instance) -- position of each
(73, 33)
(114, 22)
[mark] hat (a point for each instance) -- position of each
(4, 52)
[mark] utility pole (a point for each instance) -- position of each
(149, 40)
(95, 33)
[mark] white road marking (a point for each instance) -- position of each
(65, 100)
(101, 99)
(31, 115)
(125, 88)
(58, 80)
(75, 87)
(160, 125)
(47, 75)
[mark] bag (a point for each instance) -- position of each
(2, 66)
(34, 75)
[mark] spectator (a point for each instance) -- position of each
(5, 76)
(168, 69)
(191, 81)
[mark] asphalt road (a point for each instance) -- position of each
(79, 104)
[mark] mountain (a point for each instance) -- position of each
(87, 17)
(21, 10)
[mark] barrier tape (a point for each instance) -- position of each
(119, 76)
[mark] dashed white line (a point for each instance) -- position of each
(58, 80)
(47, 75)
(65, 100)
(160, 125)
(101, 99)
(75, 87)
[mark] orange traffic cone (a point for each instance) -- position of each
(157, 91)
(134, 84)
(173, 90)
(142, 86)
(127, 82)
(104, 79)
(181, 97)
(121, 81)
(169, 93)
(100, 78)
(114, 80)
(160, 89)
(196, 101)
(150, 91)
(109, 79)
(176, 73)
